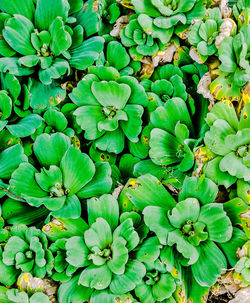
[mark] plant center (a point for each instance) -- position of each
(152, 277)
(109, 111)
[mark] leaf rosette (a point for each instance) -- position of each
(27, 251)
(169, 139)
(166, 15)
(66, 175)
(110, 108)
(197, 231)
(106, 251)
(203, 33)
(229, 140)
(44, 36)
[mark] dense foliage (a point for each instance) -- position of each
(124, 150)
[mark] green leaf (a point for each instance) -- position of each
(163, 117)
(49, 177)
(119, 256)
(188, 209)
(42, 96)
(23, 182)
(111, 94)
(127, 231)
(149, 251)
(49, 149)
(126, 282)
(99, 235)
(105, 207)
(183, 246)
(112, 142)
(210, 265)
(202, 189)
(226, 56)
(60, 38)
(55, 119)
(98, 277)
(82, 94)
(17, 33)
(73, 177)
(58, 68)
(25, 8)
(5, 105)
(235, 208)
(76, 252)
(71, 291)
(230, 248)
(86, 53)
(218, 225)
(133, 126)
(70, 209)
(157, 221)
(117, 55)
(163, 147)
(13, 246)
(8, 274)
(88, 117)
(212, 171)
(237, 168)
(148, 191)
(10, 159)
(26, 126)
(164, 288)
(100, 184)
(46, 13)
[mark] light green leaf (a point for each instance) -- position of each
(23, 182)
(212, 171)
(210, 265)
(10, 159)
(76, 252)
(149, 251)
(77, 168)
(46, 13)
(111, 93)
(26, 126)
(188, 209)
(49, 149)
(99, 234)
(133, 126)
(126, 282)
(183, 246)
(17, 33)
(218, 225)
(127, 231)
(119, 256)
(25, 8)
(117, 55)
(157, 221)
(86, 53)
(100, 184)
(112, 142)
(202, 189)
(98, 277)
(70, 209)
(105, 207)
(60, 38)
(148, 191)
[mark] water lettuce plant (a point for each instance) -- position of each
(39, 34)
(110, 108)
(59, 183)
(228, 139)
(196, 228)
